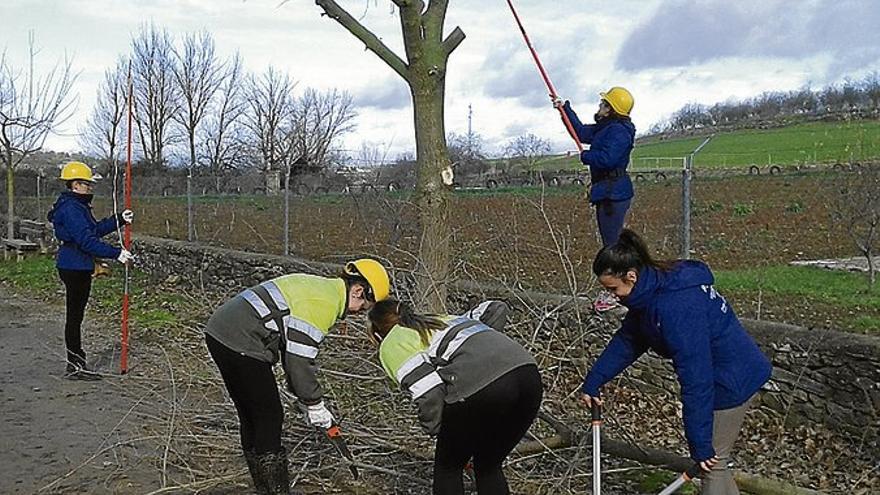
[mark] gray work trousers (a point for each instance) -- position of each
(727, 424)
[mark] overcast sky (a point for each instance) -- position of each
(666, 52)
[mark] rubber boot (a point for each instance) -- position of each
(273, 466)
(253, 462)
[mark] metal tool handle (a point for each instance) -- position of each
(692, 472)
(596, 416)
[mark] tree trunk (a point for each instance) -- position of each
(10, 199)
(433, 184)
(872, 270)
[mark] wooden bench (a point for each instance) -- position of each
(20, 246)
(37, 232)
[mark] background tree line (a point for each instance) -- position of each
(850, 99)
(193, 109)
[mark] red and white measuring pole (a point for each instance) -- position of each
(126, 242)
(546, 78)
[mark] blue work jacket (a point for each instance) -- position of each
(679, 315)
(79, 233)
(611, 142)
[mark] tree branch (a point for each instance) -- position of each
(372, 42)
(453, 40)
(657, 457)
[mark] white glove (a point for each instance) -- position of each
(557, 101)
(127, 216)
(319, 415)
(125, 256)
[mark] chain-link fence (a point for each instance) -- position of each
(529, 236)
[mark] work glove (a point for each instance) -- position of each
(708, 464)
(125, 256)
(127, 216)
(319, 415)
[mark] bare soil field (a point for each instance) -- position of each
(543, 239)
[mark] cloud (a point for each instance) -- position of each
(682, 33)
(510, 72)
(390, 94)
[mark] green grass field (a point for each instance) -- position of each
(812, 143)
(799, 144)
(155, 311)
(844, 297)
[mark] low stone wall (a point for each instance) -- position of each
(820, 376)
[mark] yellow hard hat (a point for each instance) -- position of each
(374, 272)
(620, 100)
(78, 171)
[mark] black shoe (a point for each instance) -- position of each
(81, 372)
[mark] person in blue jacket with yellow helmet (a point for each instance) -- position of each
(80, 236)
(675, 310)
(611, 140)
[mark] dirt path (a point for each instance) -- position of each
(58, 433)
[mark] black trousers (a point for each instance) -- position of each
(77, 287)
(486, 427)
(251, 385)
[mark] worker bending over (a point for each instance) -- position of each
(284, 319)
(476, 389)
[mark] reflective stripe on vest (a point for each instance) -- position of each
(275, 294)
(460, 337)
(477, 312)
(438, 337)
(411, 364)
(306, 328)
(425, 384)
(303, 350)
(271, 325)
(254, 300)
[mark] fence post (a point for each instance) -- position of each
(189, 206)
(686, 175)
(39, 202)
(287, 211)
(687, 163)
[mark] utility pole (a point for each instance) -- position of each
(470, 135)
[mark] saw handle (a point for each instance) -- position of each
(334, 431)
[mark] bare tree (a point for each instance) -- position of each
(269, 105)
(871, 87)
(31, 106)
(198, 74)
(466, 153)
(427, 53)
(224, 145)
(102, 134)
(527, 150)
(318, 120)
(854, 200)
(156, 98)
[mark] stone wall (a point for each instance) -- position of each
(820, 376)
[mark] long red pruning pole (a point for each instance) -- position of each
(549, 84)
(123, 359)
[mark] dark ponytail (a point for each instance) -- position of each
(386, 314)
(629, 253)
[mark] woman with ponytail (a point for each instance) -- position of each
(675, 311)
(476, 389)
